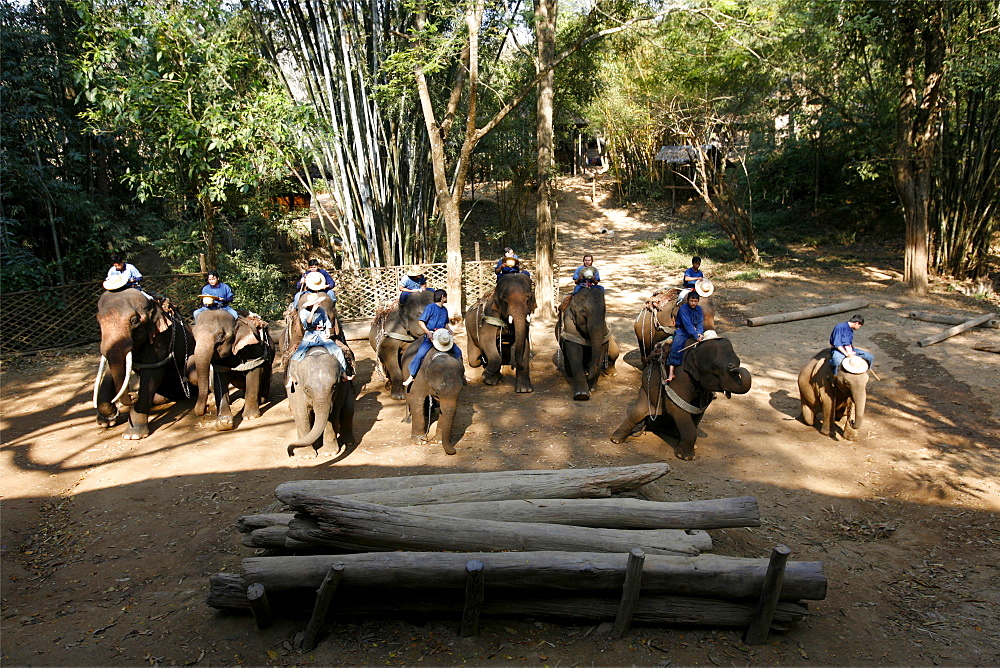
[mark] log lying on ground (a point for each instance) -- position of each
(350, 524)
(957, 329)
(228, 591)
(616, 513)
(704, 575)
(986, 348)
(951, 319)
(499, 486)
(817, 312)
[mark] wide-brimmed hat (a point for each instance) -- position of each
(709, 334)
(442, 339)
(116, 282)
(510, 261)
(207, 300)
(588, 273)
(704, 288)
(415, 270)
(315, 281)
(311, 298)
(855, 364)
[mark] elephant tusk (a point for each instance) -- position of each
(128, 372)
(101, 369)
(528, 318)
(211, 377)
(510, 319)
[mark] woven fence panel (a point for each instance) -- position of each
(66, 316)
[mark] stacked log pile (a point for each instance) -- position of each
(516, 543)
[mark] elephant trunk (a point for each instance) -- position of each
(743, 379)
(203, 370)
(321, 417)
(859, 410)
(446, 419)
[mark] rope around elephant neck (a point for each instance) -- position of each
(185, 385)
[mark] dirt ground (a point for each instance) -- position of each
(107, 544)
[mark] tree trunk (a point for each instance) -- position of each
(361, 526)
(818, 312)
(951, 319)
(615, 513)
(957, 329)
(208, 210)
(704, 575)
(498, 486)
(545, 219)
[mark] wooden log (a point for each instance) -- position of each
(957, 329)
(817, 312)
(614, 513)
(368, 526)
(763, 614)
(704, 575)
(951, 319)
(499, 486)
(248, 523)
(259, 605)
(475, 592)
(227, 591)
(324, 596)
(987, 348)
(630, 592)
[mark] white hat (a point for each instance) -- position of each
(207, 300)
(588, 273)
(116, 282)
(311, 298)
(709, 334)
(442, 339)
(854, 364)
(315, 280)
(704, 288)
(415, 270)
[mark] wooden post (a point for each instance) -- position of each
(760, 623)
(817, 312)
(957, 329)
(477, 251)
(475, 592)
(630, 592)
(324, 595)
(201, 261)
(259, 605)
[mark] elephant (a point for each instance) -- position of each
(441, 377)
(146, 335)
(655, 321)
(497, 330)
(586, 346)
(322, 404)
(711, 366)
(238, 351)
(396, 326)
(827, 398)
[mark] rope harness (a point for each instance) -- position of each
(175, 322)
(658, 357)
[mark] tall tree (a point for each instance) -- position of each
(545, 221)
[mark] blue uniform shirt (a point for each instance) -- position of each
(690, 277)
(222, 292)
(435, 316)
(411, 283)
(690, 321)
(133, 274)
(842, 335)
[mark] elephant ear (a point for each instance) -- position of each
(246, 335)
(160, 320)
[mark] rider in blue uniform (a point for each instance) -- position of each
(842, 343)
(690, 323)
(434, 316)
(216, 295)
(304, 285)
(584, 278)
(119, 267)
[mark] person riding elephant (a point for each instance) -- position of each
(322, 403)
(147, 336)
(394, 327)
(439, 381)
(235, 351)
(827, 398)
(711, 366)
(497, 330)
(657, 319)
(586, 347)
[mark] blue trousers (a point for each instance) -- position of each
(422, 351)
(837, 357)
(581, 286)
(228, 309)
(681, 340)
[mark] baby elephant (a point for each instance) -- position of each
(826, 398)
(441, 377)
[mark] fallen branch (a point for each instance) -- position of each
(951, 319)
(817, 312)
(985, 347)
(957, 329)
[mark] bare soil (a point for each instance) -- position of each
(107, 544)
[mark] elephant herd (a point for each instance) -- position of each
(174, 361)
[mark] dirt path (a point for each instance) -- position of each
(107, 544)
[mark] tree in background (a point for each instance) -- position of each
(180, 84)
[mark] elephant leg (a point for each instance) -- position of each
(394, 373)
(417, 404)
(491, 350)
(687, 428)
(613, 352)
(345, 431)
(446, 420)
(573, 353)
(224, 420)
(637, 412)
(138, 415)
(473, 353)
(828, 404)
(251, 396)
(808, 413)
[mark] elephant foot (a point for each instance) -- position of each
(309, 452)
(105, 422)
(617, 439)
(449, 449)
(491, 380)
(224, 423)
(685, 454)
(581, 396)
(398, 395)
(416, 440)
(135, 433)
(525, 388)
(252, 415)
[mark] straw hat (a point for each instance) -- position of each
(588, 273)
(207, 300)
(510, 262)
(709, 334)
(311, 298)
(315, 281)
(415, 270)
(855, 364)
(704, 288)
(442, 339)
(116, 282)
